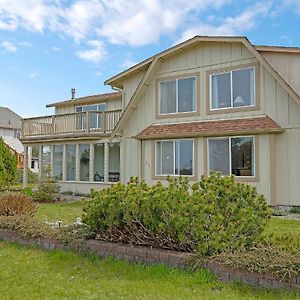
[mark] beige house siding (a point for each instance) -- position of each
(130, 84)
(287, 65)
(278, 155)
(7, 132)
(71, 108)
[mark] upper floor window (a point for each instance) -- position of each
(178, 95)
(17, 133)
(95, 119)
(175, 157)
(233, 89)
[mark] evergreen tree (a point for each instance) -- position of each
(8, 165)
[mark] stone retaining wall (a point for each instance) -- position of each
(153, 256)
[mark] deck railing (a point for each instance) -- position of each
(73, 123)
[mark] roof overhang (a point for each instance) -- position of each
(253, 125)
(88, 100)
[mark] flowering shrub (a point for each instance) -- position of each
(211, 216)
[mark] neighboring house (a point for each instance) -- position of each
(10, 131)
(207, 104)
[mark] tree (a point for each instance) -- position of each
(8, 165)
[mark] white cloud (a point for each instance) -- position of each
(34, 74)
(32, 15)
(230, 25)
(128, 63)
(25, 44)
(97, 74)
(135, 23)
(10, 47)
(55, 49)
(94, 55)
(143, 22)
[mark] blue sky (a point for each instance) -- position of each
(49, 46)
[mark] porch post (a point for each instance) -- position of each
(25, 167)
(91, 166)
(29, 157)
(106, 162)
(77, 171)
(40, 161)
(64, 163)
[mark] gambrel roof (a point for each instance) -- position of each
(150, 65)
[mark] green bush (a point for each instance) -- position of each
(31, 177)
(27, 227)
(8, 166)
(263, 259)
(16, 205)
(47, 190)
(295, 210)
(211, 216)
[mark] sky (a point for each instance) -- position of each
(48, 47)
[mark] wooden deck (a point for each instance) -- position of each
(90, 123)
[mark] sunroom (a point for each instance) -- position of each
(82, 163)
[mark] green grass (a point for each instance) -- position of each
(30, 273)
(283, 227)
(65, 212)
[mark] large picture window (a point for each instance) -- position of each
(234, 155)
(175, 157)
(233, 89)
(178, 95)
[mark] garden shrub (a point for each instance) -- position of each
(27, 227)
(31, 176)
(211, 216)
(16, 204)
(8, 166)
(263, 259)
(47, 190)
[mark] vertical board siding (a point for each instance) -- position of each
(274, 102)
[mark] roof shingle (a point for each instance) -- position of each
(253, 125)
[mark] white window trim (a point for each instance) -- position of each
(176, 86)
(231, 89)
(229, 146)
(174, 157)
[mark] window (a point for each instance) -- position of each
(233, 89)
(114, 162)
(177, 96)
(84, 156)
(95, 119)
(99, 162)
(175, 157)
(17, 133)
(57, 161)
(71, 162)
(234, 155)
(46, 161)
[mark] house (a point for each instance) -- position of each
(10, 131)
(207, 104)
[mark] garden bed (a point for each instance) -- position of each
(138, 254)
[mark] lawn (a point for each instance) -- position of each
(65, 212)
(67, 275)
(282, 226)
